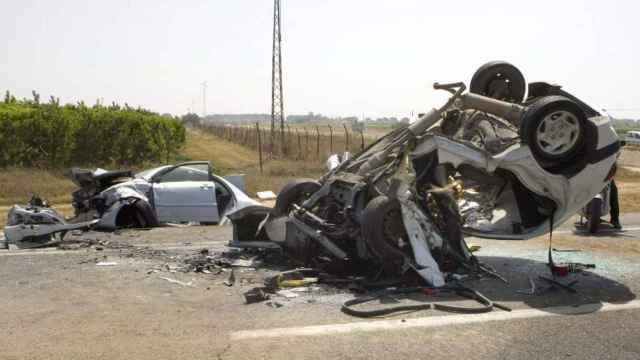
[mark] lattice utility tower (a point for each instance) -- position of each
(204, 99)
(277, 101)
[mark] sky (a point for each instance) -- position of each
(340, 57)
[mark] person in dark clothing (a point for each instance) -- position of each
(615, 206)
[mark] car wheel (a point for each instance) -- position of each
(295, 192)
(383, 230)
(554, 127)
(499, 80)
(136, 215)
(595, 212)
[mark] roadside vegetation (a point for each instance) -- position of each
(52, 136)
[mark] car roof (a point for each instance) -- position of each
(148, 174)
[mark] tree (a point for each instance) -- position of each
(191, 120)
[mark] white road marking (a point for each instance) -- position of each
(429, 322)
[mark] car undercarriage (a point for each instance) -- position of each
(488, 163)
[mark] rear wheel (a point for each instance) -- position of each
(499, 80)
(383, 231)
(295, 192)
(595, 212)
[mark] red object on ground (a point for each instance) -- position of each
(560, 269)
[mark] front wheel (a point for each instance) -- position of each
(294, 192)
(383, 231)
(554, 127)
(595, 212)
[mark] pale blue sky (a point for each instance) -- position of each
(349, 57)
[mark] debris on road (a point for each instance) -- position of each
(253, 262)
(531, 290)
(266, 195)
(293, 278)
(231, 280)
(255, 295)
(178, 282)
(106, 263)
(287, 294)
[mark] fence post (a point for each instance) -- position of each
(271, 135)
(306, 146)
(361, 140)
(299, 145)
(346, 134)
(289, 146)
(317, 142)
(330, 139)
(259, 145)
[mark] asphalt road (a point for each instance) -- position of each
(61, 305)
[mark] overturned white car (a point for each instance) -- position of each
(489, 163)
(187, 192)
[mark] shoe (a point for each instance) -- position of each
(616, 224)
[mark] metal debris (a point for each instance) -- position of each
(178, 282)
(231, 280)
(106, 263)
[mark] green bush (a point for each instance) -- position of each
(50, 135)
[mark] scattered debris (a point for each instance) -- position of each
(255, 295)
(530, 291)
(293, 278)
(231, 280)
(178, 282)
(287, 294)
(273, 304)
(106, 263)
(266, 195)
(473, 248)
(253, 262)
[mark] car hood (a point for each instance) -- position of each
(99, 178)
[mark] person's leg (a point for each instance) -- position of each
(615, 206)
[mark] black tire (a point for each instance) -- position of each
(137, 215)
(595, 212)
(550, 106)
(295, 192)
(499, 80)
(381, 222)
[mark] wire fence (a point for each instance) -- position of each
(309, 143)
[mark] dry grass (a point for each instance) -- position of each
(17, 186)
(228, 157)
(224, 155)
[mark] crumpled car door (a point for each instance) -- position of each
(186, 201)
